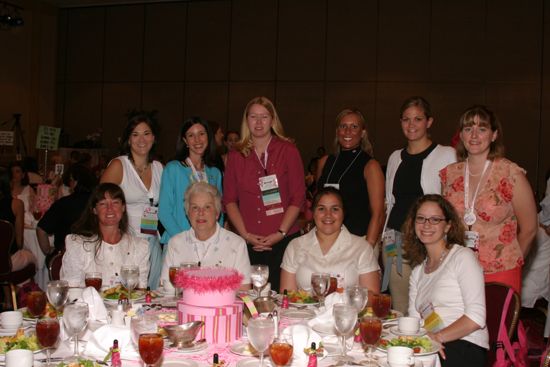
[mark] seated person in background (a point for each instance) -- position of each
(446, 281)
(206, 242)
(329, 248)
(65, 212)
(100, 241)
(12, 210)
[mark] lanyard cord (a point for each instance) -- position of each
(345, 171)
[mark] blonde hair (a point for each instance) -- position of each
(245, 144)
(365, 142)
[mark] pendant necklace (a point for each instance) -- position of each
(469, 214)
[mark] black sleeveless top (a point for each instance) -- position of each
(347, 168)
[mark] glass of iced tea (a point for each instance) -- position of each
(47, 332)
(150, 348)
(172, 272)
(93, 280)
(36, 303)
(281, 350)
(381, 304)
(371, 329)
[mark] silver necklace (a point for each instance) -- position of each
(429, 269)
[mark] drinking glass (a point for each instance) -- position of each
(259, 274)
(320, 284)
(75, 319)
(150, 347)
(57, 292)
(172, 272)
(357, 297)
(142, 325)
(129, 277)
(36, 303)
(345, 318)
(93, 279)
(381, 304)
(371, 329)
(260, 334)
(47, 332)
(281, 350)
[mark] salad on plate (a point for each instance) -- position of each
(420, 345)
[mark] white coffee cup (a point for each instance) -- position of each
(400, 357)
(408, 325)
(19, 358)
(11, 319)
(117, 317)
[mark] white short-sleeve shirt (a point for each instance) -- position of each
(80, 258)
(224, 249)
(349, 257)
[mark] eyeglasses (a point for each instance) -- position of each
(259, 117)
(432, 220)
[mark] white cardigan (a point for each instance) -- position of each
(438, 159)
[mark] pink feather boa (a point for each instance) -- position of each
(206, 280)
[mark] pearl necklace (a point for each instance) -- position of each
(428, 269)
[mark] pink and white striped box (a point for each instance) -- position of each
(222, 324)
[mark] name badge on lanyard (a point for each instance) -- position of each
(271, 197)
(335, 185)
(149, 220)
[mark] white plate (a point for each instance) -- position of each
(293, 314)
(324, 329)
(8, 332)
(394, 315)
(180, 363)
(395, 330)
(253, 362)
(435, 348)
(193, 349)
(383, 362)
(243, 348)
(23, 310)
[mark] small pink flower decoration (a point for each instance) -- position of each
(205, 280)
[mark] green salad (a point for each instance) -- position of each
(417, 344)
(80, 363)
(20, 341)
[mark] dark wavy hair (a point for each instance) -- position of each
(25, 180)
(415, 251)
(87, 225)
(134, 119)
(329, 190)
(182, 150)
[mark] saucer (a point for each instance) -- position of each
(294, 314)
(395, 330)
(8, 332)
(196, 347)
(243, 348)
(383, 362)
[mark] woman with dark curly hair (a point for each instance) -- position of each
(101, 241)
(446, 286)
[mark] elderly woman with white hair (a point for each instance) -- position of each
(206, 242)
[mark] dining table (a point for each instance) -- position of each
(201, 357)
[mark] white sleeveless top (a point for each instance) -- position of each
(137, 195)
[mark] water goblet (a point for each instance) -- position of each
(57, 293)
(320, 284)
(259, 274)
(75, 319)
(281, 350)
(345, 319)
(357, 297)
(150, 347)
(144, 324)
(36, 303)
(129, 277)
(93, 279)
(260, 334)
(371, 329)
(47, 332)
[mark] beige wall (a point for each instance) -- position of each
(313, 58)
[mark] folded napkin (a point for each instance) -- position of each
(302, 337)
(102, 340)
(98, 312)
(324, 314)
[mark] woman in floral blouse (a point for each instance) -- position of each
(492, 196)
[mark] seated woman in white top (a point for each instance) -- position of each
(206, 243)
(446, 288)
(329, 248)
(101, 241)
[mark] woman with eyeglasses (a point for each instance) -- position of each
(358, 176)
(492, 196)
(446, 285)
(264, 186)
(412, 172)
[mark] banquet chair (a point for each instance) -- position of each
(8, 278)
(495, 296)
(54, 266)
(545, 361)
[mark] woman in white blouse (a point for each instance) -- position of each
(446, 287)
(329, 248)
(101, 241)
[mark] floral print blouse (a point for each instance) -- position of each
(496, 221)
